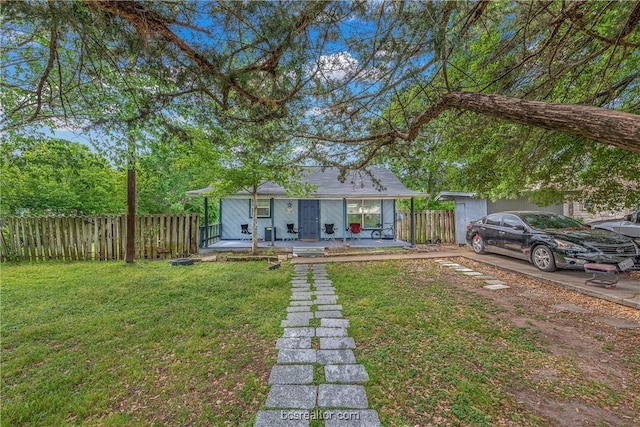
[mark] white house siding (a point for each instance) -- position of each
(519, 204)
(388, 212)
(332, 212)
(235, 212)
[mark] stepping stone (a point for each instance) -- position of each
(292, 374)
(282, 419)
(334, 357)
(337, 343)
(345, 374)
(301, 296)
(300, 315)
(298, 332)
(619, 323)
(351, 418)
(294, 322)
(328, 307)
(324, 300)
(331, 332)
(463, 269)
(292, 397)
(328, 314)
(334, 323)
(496, 287)
(474, 273)
(298, 308)
(299, 303)
(297, 355)
(342, 396)
(495, 282)
(570, 308)
(293, 343)
(322, 293)
(301, 288)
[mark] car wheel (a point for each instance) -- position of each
(477, 244)
(543, 259)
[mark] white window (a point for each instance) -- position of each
(367, 213)
(264, 208)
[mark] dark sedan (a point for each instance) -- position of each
(550, 241)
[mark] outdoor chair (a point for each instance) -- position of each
(354, 229)
(245, 234)
(329, 232)
(292, 232)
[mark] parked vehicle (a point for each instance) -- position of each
(628, 226)
(551, 241)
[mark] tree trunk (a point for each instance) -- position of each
(254, 225)
(602, 125)
(130, 254)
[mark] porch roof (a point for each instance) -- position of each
(357, 185)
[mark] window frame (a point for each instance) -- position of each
(363, 214)
(269, 206)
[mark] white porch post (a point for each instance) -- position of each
(344, 221)
(413, 226)
(273, 222)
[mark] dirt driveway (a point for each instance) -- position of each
(603, 336)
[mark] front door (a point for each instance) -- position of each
(309, 220)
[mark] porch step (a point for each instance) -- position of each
(308, 251)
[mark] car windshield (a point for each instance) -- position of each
(547, 221)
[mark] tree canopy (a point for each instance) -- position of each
(505, 97)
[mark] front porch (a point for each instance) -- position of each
(288, 245)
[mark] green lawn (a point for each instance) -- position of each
(105, 343)
(435, 355)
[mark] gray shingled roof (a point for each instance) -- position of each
(357, 185)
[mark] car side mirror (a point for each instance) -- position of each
(519, 227)
(627, 217)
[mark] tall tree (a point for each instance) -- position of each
(58, 177)
(243, 159)
(568, 68)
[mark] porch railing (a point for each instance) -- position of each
(209, 234)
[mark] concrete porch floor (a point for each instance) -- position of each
(288, 245)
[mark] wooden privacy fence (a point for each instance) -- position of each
(97, 237)
(429, 226)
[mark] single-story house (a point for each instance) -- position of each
(469, 207)
(356, 200)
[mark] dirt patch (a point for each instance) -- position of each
(601, 338)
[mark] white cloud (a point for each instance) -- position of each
(337, 66)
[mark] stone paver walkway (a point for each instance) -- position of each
(316, 376)
(491, 283)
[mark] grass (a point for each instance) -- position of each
(111, 344)
(107, 343)
(436, 356)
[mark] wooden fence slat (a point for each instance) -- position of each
(429, 226)
(97, 237)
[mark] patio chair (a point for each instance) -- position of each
(329, 232)
(292, 232)
(354, 229)
(245, 234)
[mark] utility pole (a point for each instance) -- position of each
(130, 253)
